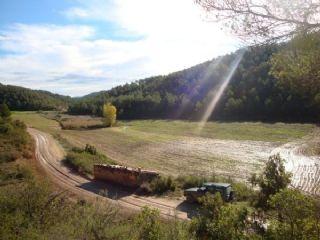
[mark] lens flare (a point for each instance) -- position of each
(216, 97)
(202, 82)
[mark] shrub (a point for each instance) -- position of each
(82, 160)
(190, 181)
(9, 155)
(162, 184)
(4, 111)
(243, 192)
(148, 224)
(90, 149)
(19, 124)
(219, 220)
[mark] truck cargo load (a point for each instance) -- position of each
(122, 175)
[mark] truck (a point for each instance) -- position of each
(123, 175)
(194, 194)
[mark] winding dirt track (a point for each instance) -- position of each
(50, 155)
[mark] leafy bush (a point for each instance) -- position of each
(82, 160)
(6, 128)
(190, 181)
(219, 220)
(148, 224)
(11, 173)
(244, 192)
(9, 156)
(90, 149)
(15, 142)
(162, 184)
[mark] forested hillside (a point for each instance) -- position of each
(253, 94)
(19, 98)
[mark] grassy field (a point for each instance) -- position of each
(177, 147)
(256, 131)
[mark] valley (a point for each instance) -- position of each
(175, 148)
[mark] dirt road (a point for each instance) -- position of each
(50, 156)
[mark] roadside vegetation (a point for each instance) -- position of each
(174, 186)
(82, 160)
(14, 141)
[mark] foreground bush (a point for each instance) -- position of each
(296, 216)
(220, 220)
(150, 226)
(15, 142)
(32, 210)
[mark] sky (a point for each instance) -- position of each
(75, 47)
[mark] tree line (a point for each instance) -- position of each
(24, 99)
(260, 89)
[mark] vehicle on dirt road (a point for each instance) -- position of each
(194, 194)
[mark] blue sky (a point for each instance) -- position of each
(75, 47)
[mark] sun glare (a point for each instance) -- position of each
(216, 97)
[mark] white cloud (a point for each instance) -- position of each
(175, 36)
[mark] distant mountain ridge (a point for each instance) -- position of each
(20, 98)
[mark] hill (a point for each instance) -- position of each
(253, 94)
(19, 98)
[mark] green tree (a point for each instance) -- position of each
(297, 67)
(294, 218)
(148, 224)
(4, 111)
(219, 220)
(273, 179)
(110, 114)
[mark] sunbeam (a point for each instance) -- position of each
(202, 82)
(216, 97)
